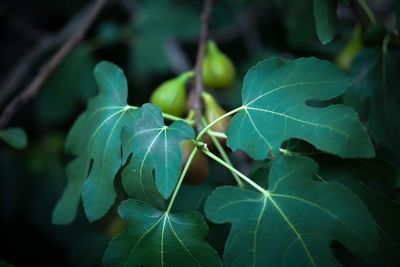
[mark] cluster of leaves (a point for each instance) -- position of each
(299, 205)
(285, 211)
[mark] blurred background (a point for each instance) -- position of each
(152, 41)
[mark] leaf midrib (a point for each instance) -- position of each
(301, 121)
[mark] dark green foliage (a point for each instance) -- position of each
(156, 238)
(15, 137)
(301, 185)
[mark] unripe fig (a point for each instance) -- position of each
(348, 53)
(213, 111)
(198, 170)
(218, 71)
(170, 96)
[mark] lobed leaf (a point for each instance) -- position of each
(386, 212)
(95, 139)
(156, 238)
(294, 222)
(375, 95)
(275, 98)
(154, 147)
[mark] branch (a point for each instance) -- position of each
(48, 42)
(195, 100)
(33, 88)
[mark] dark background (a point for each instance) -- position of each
(148, 39)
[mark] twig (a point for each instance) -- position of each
(195, 100)
(33, 88)
(18, 74)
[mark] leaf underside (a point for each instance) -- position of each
(275, 95)
(294, 224)
(155, 238)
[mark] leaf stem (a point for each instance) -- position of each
(367, 11)
(175, 118)
(169, 116)
(385, 44)
(211, 124)
(184, 171)
(231, 168)
(223, 154)
(216, 134)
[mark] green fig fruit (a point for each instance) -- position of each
(350, 50)
(218, 71)
(212, 111)
(170, 96)
(198, 170)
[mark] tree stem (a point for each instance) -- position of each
(36, 84)
(195, 100)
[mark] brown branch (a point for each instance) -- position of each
(33, 88)
(19, 72)
(195, 99)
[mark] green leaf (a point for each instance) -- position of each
(375, 94)
(69, 86)
(155, 23)
(385, 211)
(275, 108)
(95, 139)
(325, 19)
(154, 147)
(15, 137)
(293, 223)
(156, 238)
(299, 23)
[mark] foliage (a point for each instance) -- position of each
(301, 154)
(15, 137)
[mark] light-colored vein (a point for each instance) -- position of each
(162, 241)
(106, 147)
(258, 132)
(302, 121)
(291, 85)
(143, 161)
(280, 179)
(256, 230)
(183, 245)
(315, 206)
(165, 157)
(103, 109)
(293, 228)
(221, 207)
(142, 236)
(102, 124)
(142, 132)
